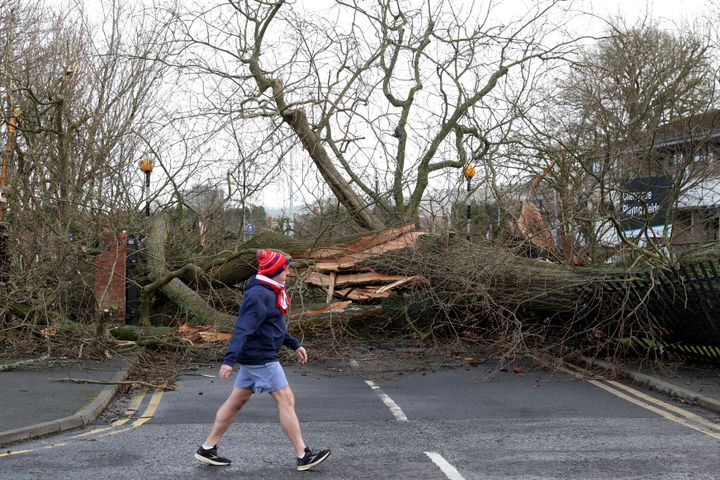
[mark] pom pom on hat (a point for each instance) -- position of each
(271, 263)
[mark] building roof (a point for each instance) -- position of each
(694, 128)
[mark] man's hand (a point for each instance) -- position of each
(225, 371)
(301, 355)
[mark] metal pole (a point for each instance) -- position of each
(244, 205)
(291, 213)
(244, 219)
(468, 210)
(147, 194)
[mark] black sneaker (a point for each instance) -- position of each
(210, 456)
(310, 459)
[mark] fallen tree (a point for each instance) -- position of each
(232, 267)
(168, 282)
(478, 278)
(429, 286)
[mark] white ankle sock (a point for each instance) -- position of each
(207, 447)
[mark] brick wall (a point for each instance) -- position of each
(110, 277)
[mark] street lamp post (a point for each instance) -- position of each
(146, 167)
(468, 172)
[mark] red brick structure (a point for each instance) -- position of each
(110, 277)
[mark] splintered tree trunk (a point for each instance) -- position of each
(240, 267)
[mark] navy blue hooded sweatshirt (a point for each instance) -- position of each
(260, 329)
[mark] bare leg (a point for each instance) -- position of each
(288, 419)
(226, 414)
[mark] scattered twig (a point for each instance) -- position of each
(125, 382)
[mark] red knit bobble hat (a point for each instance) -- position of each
(271, 263)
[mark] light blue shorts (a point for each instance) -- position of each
(261, 378)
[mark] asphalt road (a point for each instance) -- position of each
(444, 424)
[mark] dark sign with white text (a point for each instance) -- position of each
(644, 202)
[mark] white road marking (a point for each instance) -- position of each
(449, 471)
(394, 407)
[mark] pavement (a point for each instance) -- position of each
(35, 404)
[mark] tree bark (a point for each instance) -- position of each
(297, 120)
(188, 300)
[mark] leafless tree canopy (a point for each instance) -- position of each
(604, 120)
(383, 97)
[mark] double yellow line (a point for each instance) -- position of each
(133, 407)
(129, 412)
(664, 409)
(127, 416)
(652, 404)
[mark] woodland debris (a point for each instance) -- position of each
(350, 279)
(362, 243)
(532, 225)
(350, 260)
(202, 334)
(360, 294)
(336, 307)
(373, 292)
(23, 363)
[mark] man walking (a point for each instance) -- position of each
(259, 334)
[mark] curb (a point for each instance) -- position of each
(661, 386)
(22, 363)
(81, 418)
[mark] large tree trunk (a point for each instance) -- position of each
(239, 268)
(296, 118)
(188, 300)
(225, 270)
(477, 278)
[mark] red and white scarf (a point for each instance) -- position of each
(283, 301)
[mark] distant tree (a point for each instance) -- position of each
(84, 98)
(611, 101)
